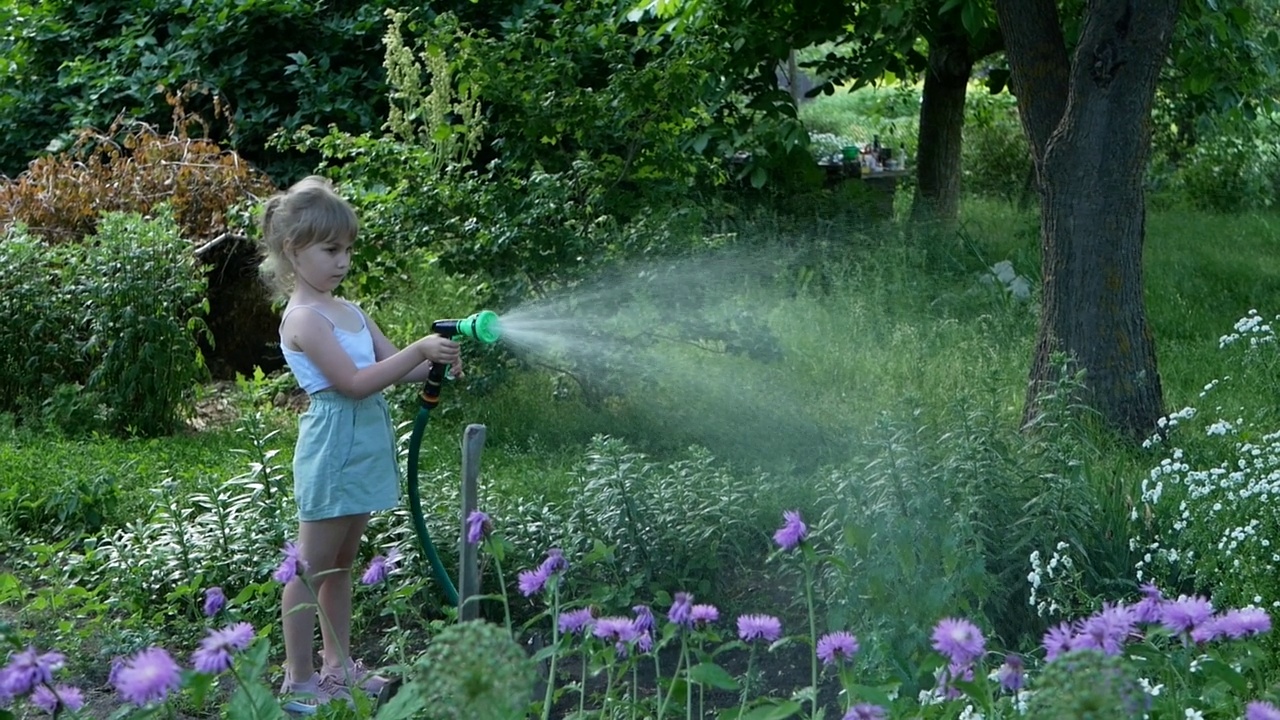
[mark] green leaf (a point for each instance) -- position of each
(405, 704)
(971, 19)
(198, 684)
(252, 664)
(252, 700)
(758, 177)
(711, 674)
(1224, 672)
(874, 695)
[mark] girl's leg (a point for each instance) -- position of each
(319, 543)
(335, 594)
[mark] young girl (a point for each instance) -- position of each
(345, 461)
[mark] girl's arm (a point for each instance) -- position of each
(309, 332)
(384, 348)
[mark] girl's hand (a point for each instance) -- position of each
(439, 349)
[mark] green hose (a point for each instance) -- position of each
(484, 327)
(415, 510)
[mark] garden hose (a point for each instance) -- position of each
(482, 326)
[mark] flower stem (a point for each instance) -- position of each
(662, 706)
(688, 689)
(506, 603)
(555, 641)
(746, 684)
(240, 683)
(635, 688)
(582, 689)
(813, 638)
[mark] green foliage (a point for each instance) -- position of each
(278, 63)
(1233, 166)
(38, 310)
(470, 670)
(145, 297)
(103, 333)
(996, 161)
(1088, 685)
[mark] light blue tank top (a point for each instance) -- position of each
(358, 344)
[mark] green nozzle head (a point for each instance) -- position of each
(482, 326)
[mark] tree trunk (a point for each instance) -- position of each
(1093, 213)
(940, 138)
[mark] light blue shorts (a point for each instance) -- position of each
(345, 459)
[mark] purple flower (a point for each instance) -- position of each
(614, 628)
(213, 656)
(148, 676)
(576, 621)
(214, 601)
(1258, 710)
(1010, 674)
(555, 563)
(793, 530)
(644, 619)
(1245, 621)
(1183, 614)
(380, 567)
(28, 669)
(759, 627)
(644, 642)
(958, 639)
(62, 697)
(478, 526)
(292, 564)
(619, 630)
(865, 711)
(531, 582)
(837, 647)
(703, 614)
(1106, 631)
(1058, 641)
(953, 671)
(681, 608)
(1147, 610)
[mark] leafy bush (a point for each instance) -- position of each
(39, 314)
(1233, 167)
(949, 515)
(276, 63)
(105, 330)
(996, 160)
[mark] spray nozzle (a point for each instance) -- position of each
(482, 326)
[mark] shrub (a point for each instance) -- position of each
(279, 63)
(996, 160)
(105, 330)
(39, 315)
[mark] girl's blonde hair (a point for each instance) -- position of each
(309, 212)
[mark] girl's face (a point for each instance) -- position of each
(323, 265)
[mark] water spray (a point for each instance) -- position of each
(483, 327)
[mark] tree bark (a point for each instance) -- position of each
(1093, 214)
(940, 138)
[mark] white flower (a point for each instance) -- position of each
(1193, 714)
(1148, 688)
